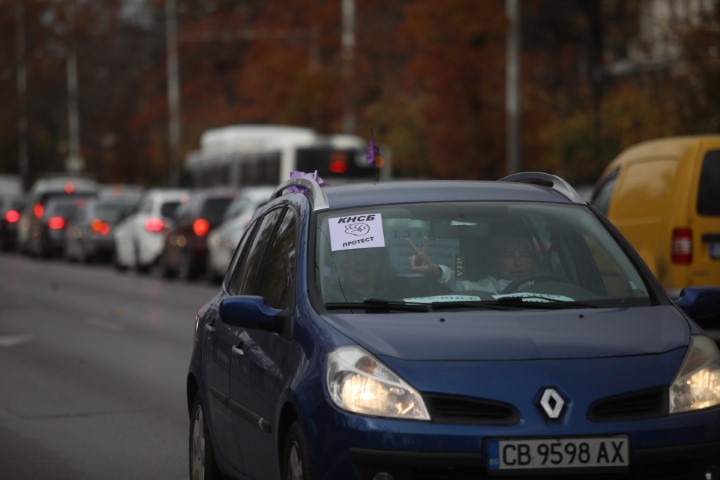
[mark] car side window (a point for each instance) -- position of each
(603, 194)
(146, 206)
(278, 273)
(247, 269)
(236, 263)
(708, 201)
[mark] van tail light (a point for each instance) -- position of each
(98, 226)
(338, 166)
(56, 223)
(154, 225)
(682, 246)
(12, 216)
(201, 227)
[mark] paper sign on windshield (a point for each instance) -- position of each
(356, 231)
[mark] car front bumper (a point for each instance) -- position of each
(676, 447)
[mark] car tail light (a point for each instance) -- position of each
(154, 225)
(12, 216)
(338, 166)
(69, 187)
(38, 210)
(56, 223)
(682, 246)
(201, 227)
(98, 226)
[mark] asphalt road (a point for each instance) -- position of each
(92, 372)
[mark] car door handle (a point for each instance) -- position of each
(237, 351)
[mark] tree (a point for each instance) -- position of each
(699, 102)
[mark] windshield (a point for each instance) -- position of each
(461, 253)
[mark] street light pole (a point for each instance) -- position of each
(173, 91)
(348, 53)
(74, 162)
(512, 96)
(21, 88)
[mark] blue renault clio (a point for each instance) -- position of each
(449, 330)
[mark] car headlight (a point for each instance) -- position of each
(697, 384)
(360, 383)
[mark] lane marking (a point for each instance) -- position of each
(13, 340)
(105, 324)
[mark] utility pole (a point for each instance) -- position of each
(348, 60)
(21, 88)
(173, 92)
(74, 162)
(512, 96)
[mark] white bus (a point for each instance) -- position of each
(246, 155)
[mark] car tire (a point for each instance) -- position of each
(201, 454)
(186, 270)
(116, 262)
(82, 257)
(296, 456)
(166, 270)
(139, 266)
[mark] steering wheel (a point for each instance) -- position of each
(533, 277)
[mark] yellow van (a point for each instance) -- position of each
(664, 196)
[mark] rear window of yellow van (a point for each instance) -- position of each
(708, 201)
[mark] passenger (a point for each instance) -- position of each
(512, 258)
(366, 273)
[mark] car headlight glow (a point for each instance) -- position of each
(697, 384)
(360, 383)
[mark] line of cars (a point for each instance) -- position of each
(175, 231)
(82, 221)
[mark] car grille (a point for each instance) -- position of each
(632, 406)
(465, 410)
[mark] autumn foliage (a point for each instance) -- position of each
(427, 76)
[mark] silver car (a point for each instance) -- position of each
(139, 239)
(223, 239)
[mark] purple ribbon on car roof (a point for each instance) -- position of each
(311, 176)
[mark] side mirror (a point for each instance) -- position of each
(249, 311)
(702, 304)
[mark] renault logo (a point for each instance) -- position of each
(552, 403)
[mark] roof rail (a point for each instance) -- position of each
(319, 199)
(546, 180)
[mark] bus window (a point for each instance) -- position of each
(332, 163)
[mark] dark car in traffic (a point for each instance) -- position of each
(89, 232)
(369, 331)
(42, 191)
(47, 232)
(11, 209)
(185, 250)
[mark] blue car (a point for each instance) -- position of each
(449, 330)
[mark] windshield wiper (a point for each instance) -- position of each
(540, 302)
(502, 303)
(479, 304)
(378, 305)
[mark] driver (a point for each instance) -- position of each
(512, 259)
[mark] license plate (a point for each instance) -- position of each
(548, 454)
(715, 250)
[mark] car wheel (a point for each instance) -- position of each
(201, 454)
(82, 257)
(186, 271)
(166, 269)
(116, 258)
(139, 266)
(296, 458)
